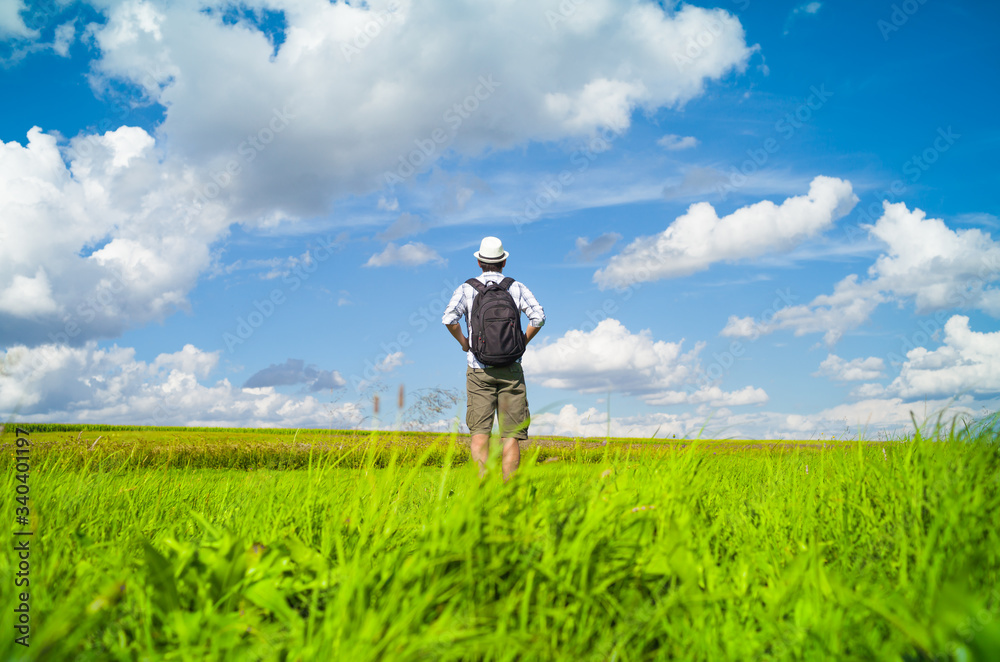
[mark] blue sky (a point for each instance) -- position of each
(768, 219)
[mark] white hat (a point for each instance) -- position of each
(491, 251)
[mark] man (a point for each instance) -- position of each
(493, 390)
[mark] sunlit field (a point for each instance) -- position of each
(187, 543)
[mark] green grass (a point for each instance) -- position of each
(181, 544)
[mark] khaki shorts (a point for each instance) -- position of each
(497, 391)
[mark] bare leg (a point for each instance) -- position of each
(479, 447)
(511, 457)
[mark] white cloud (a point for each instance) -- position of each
(873, 418)
(11, 23)
(968, 362)
(924, 261)
(741, 327)
(840, 370)
(346, 118)
(91, 385)
(870, 416)
(64, 37)
(601, 103)
(390, 362)
(113, 230)
(936, 266)
(28, 296)
(673, 142)
(868, 391)
(408, 255)
(569, 422)
(696, 240)
(189, 359)
(710, 395)
(611, 358)
(109, 240)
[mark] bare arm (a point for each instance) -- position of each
(531, 333)
(456, 330)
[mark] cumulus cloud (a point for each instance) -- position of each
(868, 391)
(710, 395)
(99, 235)
(189, 360)
(587, 250)
(611, 358)
(967, 362)
(673, 142)
(500, 76)
(412, 254)
(840, 370)
(869, 416)
(295, 371)
(872, 418)
(92, 385)
(925, 262)
(269, 123)
(935, 266)
(570, 422)
(699, 238)
(877, 417)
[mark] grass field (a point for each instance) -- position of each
(184, 544)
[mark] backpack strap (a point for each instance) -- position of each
(476, 285)
(506, 283)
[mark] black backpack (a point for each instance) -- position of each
(495, 335)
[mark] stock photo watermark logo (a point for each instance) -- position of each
(552, 188)
(86, 311)
(913, 169)
(697, 45)
(785, 127)
(933, 328)
(418, 321)
(566, 9)
(429, 147)
(247, 152)
(723, 361)
(929, 329)
(899, 17)
(265, 308)
(372, 29)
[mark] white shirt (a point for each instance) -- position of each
(461, 305)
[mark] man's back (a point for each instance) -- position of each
(462, 300)
(499, 389)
